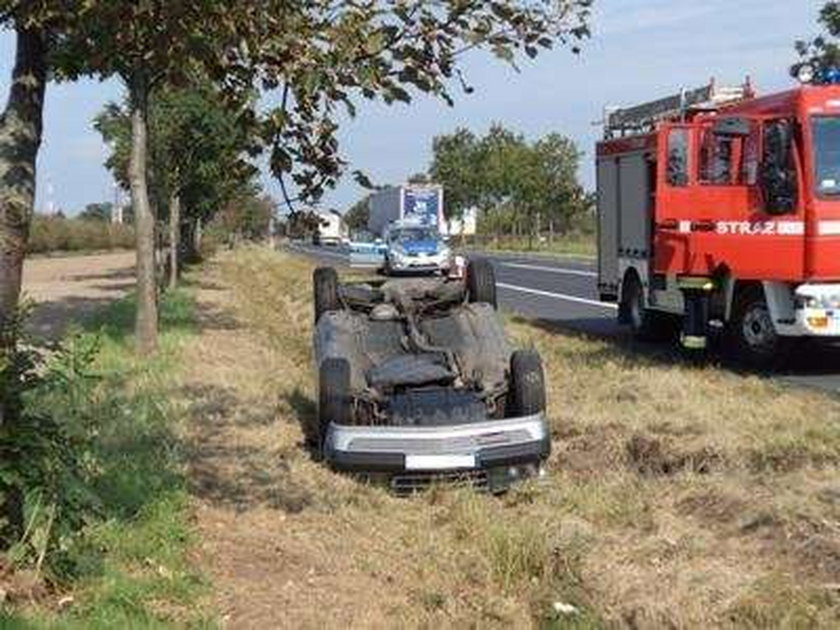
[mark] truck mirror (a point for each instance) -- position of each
(732, 127)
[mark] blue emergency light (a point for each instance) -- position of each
(830, 76)
(806, 73)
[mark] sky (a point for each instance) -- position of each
(639, 50)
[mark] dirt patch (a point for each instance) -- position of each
(20, 587)
(653, 456)
(68, 290)
(714, 506)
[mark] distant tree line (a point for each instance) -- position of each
(518, 187)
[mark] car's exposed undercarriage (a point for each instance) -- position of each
(417, 377)
(419, 354)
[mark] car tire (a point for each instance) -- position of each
(527, 384)
(334, 401)
(481, 282)
(751, 335)
(325, 285)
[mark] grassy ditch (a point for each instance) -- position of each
(108, 541)
(676, 495)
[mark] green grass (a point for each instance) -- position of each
(125, 562)
(579, 246)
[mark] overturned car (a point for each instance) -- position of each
(418, 382)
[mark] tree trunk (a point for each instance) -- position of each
(197, 238)
(174, 237)
(20, 138)
(146, 324)
(21, 125)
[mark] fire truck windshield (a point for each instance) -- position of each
(826, 132)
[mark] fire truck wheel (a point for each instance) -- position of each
(752, 336)
(325, 285)
(646, 325)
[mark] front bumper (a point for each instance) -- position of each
(483, 446)
(420, 263)
(814, 322)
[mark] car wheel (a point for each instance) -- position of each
(481, 282)
(334, 402)
(527, 384)
(752, 336)
(325, 284)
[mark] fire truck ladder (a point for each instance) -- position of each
(642, 118)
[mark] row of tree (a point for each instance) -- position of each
(517, 186)
(310, 61)
(197, 163)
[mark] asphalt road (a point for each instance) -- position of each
(562, 293)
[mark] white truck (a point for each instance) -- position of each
(331, 229)
(421, 204)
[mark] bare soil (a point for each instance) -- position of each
(67, 290)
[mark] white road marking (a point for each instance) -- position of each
(558, 296)
(563, 270)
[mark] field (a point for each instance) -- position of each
(676, 496)
(51, 235)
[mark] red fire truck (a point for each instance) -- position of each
(722, 209)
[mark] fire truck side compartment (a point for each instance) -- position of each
(607, 186)
(624, 215)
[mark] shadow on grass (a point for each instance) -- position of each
(811, 362)
(49, 320)
(125, 272)
(306, 412)
(176, 312)
(231, 475)
(612, 347)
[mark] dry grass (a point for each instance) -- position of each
(676, 496)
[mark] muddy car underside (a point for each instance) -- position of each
(418, 376)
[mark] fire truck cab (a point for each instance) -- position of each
(722, 209)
